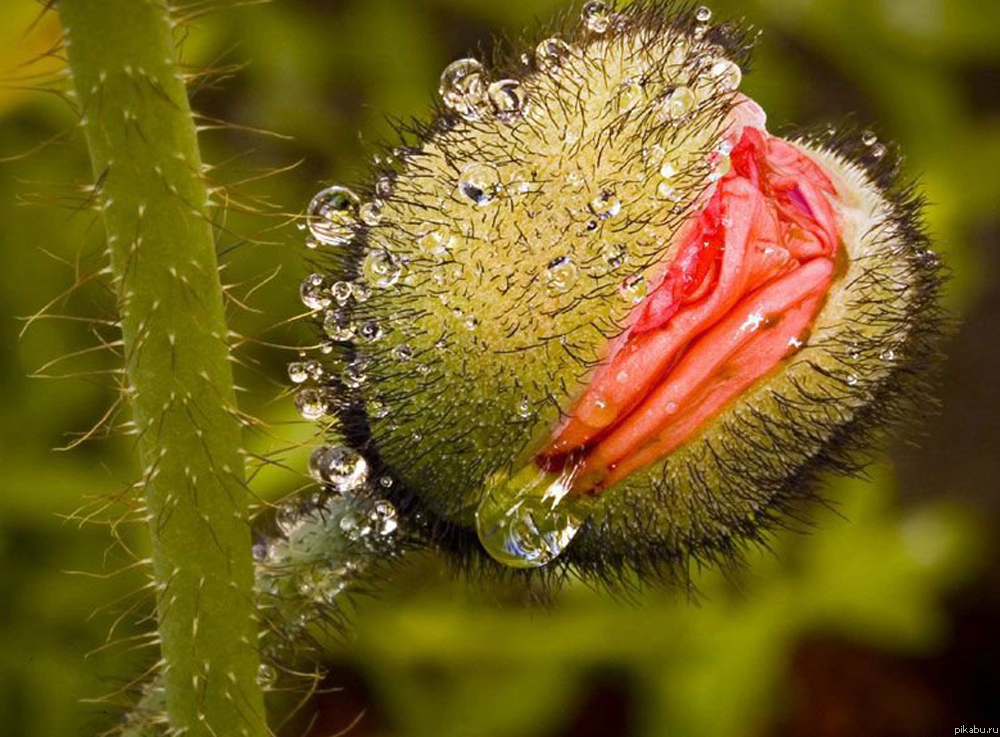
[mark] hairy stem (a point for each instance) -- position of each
(154, 201)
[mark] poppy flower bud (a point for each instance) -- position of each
(596, 315)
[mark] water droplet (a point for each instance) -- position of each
(266, 675)
(630, 95)
(437, 242)
(665, 190)
(879, 150)
(382, 269)
(297, 372)
(333, 215)
(314, 369)
(383, 187)
(479, 183)
(314, 293)
(727, 75)
(338, 325)
(869, 138)
(852, 380)
(551, 53)
(341, 292)
(703, 14)
(261, 550)
(311, 403)
(613, 256)
(289, 518)
(606, 205)
(462, 88)
(354, 526)
(354, 375)
(720, 164)
(383, 518)
(888, 355)
(403, 352)
(370, 330)
(361, 291)
(341, 467)
(596, 17)
(524, 408)
(371, 213)
(561, 275)
(634, 288)
(679, 103)
(471, 322)
(525, 521)
(508, 98)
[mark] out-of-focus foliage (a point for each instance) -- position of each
(435, 656)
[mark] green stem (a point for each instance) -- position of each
(154, 201)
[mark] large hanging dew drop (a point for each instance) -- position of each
(462, 88)
(525, 521)
(479, 183)
(311, 403)
(338, 466)
(333, 215)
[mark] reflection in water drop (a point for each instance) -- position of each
(339, 466)
(596, 17)
(479, 183)
(333, 215)
(551, 53)
(561, 275)
(462, 88)
(508, 98)
(381, 269)
(526, 521)
(679, 103)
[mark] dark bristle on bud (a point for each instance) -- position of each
(573, 205)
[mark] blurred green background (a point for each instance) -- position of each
(881, 622)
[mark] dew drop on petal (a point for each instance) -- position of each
(333, 215)
(869, 138)
(338, 466)
(703, 14)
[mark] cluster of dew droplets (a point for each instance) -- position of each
(466, 91)
(324, 540)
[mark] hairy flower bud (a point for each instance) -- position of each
(598, 315)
